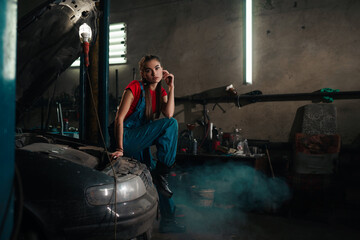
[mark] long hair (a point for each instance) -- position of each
(148, 101)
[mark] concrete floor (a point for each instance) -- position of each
(312, 216)
(232, 224)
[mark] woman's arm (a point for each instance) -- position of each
(124, 107)
(169, 100)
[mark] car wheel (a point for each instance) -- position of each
(145, 236)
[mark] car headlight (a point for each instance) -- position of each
(126, 191)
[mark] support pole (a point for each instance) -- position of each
(8, 21)
(104, 69)
(82, 88)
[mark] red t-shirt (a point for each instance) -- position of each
(134, 87)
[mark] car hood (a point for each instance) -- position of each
(48, 43)
(64, 152)
(89, 156)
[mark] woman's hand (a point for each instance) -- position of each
(169, 100)
(116, 154)
(169, 78)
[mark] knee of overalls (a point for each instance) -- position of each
(172, 123)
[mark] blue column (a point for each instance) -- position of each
(8, 21)
(82, 111)
(104, 69)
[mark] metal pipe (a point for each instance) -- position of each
(117, 86)
(60, 118)
(82, 100)
(104, 69)
(247, 99)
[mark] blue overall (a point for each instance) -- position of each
(140, 134)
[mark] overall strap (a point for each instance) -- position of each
(137, 118)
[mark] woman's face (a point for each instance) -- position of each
(152, 71)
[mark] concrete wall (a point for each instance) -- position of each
(299, 46)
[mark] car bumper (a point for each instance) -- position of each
(130, 225)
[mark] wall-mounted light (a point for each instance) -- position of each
(85, 34)
(248, 42)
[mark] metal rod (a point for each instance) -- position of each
(247, 99)
(117, 86)
(61, 120)
(82, 111)
(268, 157)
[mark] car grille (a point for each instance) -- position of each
(147, 179)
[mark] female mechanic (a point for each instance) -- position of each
(136, 129)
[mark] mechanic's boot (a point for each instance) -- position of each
(169, 225)
(160, 175)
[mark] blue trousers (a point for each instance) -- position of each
(164, 134)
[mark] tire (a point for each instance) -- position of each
(145, 236)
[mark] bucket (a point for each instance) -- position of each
(202, 197)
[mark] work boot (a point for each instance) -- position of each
(160, 175)
(170, 225)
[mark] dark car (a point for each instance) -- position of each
(67, 186)
(69, 191)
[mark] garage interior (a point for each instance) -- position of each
(277, 158)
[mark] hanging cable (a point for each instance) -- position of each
(106, 151)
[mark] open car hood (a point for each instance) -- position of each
(48, 43)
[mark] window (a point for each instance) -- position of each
(117, 43)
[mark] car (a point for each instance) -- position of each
(67, 188)
(68, 191)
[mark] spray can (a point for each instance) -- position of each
(194, 150)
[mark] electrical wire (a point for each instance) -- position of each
(106, 151)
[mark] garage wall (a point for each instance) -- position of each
(299, 46)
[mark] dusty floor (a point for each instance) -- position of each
(221, 217)
(232, 224)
